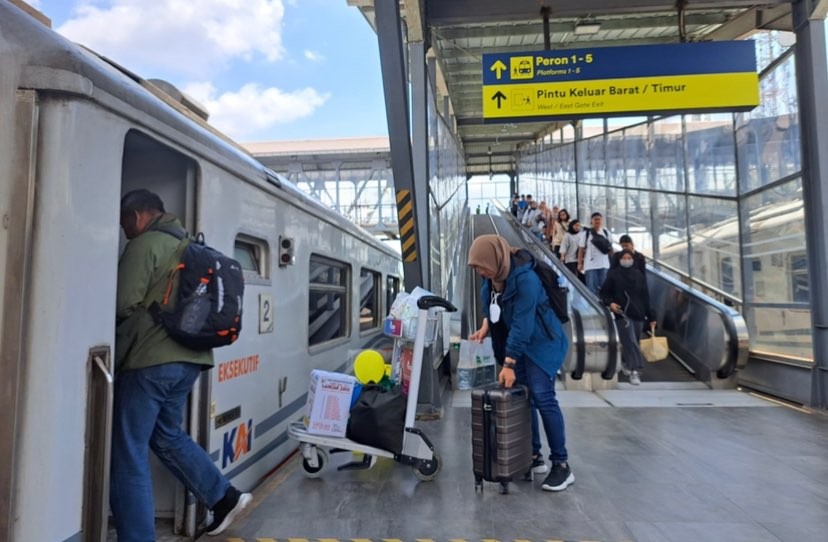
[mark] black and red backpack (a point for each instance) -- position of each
(208, 311)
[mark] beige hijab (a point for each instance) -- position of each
(492, 252)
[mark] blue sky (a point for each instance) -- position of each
(265, 69)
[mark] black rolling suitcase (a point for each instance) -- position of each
(501, 435)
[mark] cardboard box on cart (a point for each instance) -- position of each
(329, 403)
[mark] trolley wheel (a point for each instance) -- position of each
(321, 459)
(427, 469)
(504, 488)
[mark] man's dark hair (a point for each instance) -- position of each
(595, 215)
(142, 201)
(528, 196)
(625, 239)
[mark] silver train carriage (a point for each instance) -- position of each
(78, 132)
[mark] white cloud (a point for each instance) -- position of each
(313, 56)
(188, 39)
(253, 109)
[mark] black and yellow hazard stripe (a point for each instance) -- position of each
(405, 218)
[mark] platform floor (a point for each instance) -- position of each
(651, 465)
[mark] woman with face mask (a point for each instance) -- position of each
(625, 293)
(531, 338)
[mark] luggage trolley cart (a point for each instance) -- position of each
(417, 450)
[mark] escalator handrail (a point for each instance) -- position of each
(612, 336)
(656, 264)
(728, 314)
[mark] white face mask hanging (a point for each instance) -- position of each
(494, 309)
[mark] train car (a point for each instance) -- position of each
(778, 285)
(78, 132)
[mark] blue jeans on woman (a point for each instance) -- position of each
(542, 392)
(147, 413)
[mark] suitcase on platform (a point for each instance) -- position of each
(501, 435)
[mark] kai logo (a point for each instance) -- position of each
(237, 443)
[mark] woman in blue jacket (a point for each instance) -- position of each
(535, 345)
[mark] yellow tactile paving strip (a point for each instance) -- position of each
(259, 539)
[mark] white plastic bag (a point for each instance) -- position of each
(476, 366)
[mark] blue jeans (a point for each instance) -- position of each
(147, 413)
(595, 279)
(542, 391)
(536, 443)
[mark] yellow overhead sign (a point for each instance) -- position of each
(645, 79)
(634, 95)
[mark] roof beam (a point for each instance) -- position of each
(749, 22)
(450, 12)
(561, 27)
(475, 54)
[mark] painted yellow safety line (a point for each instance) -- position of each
(233, 539)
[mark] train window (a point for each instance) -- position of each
(328, 300)
(252, 254)
(369, 299)
(726, 272)
(392, 288)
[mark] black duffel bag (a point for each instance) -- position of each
(378, 418)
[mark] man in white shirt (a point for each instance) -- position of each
(593, 262)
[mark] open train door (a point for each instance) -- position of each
(157, 167)
(17, 173)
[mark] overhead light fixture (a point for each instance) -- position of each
(587, 27)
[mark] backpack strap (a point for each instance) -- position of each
(154, 308)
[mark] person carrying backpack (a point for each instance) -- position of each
(625, 293)
(594, 253)
(535, 343)
(154, 376)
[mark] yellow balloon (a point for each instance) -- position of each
(369, 366)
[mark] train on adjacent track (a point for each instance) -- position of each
(78, 132)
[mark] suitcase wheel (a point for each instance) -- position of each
(504, 488)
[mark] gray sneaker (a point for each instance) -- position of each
(635, 378)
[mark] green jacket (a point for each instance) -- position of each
(143, 275)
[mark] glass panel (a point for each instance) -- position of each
(327, 316)
(768, 137)
(326, 272)
(615, 158)
(639, 225)
(328, 300)
(714, 243)
(245, 254)
(670, 229)
(392, 288)
(711, 154)
(777, 288)
(636, 156)
(668, 155)
(369, 310)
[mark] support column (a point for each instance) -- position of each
(812, 87)
(419, 148)
(395, 87)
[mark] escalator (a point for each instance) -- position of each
(708, 340)
(594, 347)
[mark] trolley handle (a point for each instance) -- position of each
(428, 301)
